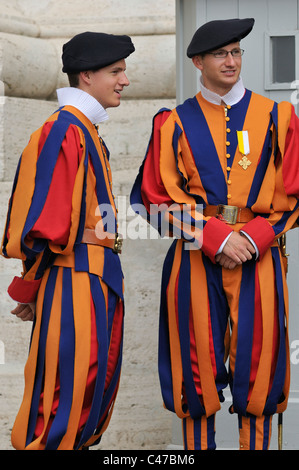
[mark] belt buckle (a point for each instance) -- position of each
(118, 243)
(228, 213)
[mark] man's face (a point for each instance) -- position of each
(219, 74)
(106, 84)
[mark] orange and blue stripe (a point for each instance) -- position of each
(207, 313)
(73, 368)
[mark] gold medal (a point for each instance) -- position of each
(244, 162)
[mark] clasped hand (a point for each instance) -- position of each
(236, 251)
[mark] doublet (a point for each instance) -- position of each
(202, 155)
(73, 368)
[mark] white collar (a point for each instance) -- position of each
(231, 98)
(87, 104)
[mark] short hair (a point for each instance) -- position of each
(73, 79)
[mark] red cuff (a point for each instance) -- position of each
(23, 291)
(214, 233)
(261, 233)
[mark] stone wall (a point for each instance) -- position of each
(31, 37)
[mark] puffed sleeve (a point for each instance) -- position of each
(284, 212)
(44, 207)
(161, 187)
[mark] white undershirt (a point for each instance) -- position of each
(84, 102)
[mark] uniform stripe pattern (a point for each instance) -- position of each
(209, 314)
(255, 432)
(73, 368)
(199, 434)
(61, 360)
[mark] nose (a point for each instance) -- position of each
(124, 79)
(229, 60)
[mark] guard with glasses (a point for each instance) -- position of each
(232, 157)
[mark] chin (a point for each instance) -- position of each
(112, 105)
(229, 84)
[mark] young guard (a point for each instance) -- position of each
(62, 223)
(226, 163)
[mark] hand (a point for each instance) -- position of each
(238, 249)
(225, 261)
(25, 312)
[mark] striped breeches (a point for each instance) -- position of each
(223, 327)
(73, 368)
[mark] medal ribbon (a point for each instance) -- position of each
(243, 142)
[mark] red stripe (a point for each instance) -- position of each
(290, 169)
(152, 189)
(257, 335)
(115, 342)
(193, 355)
(55, 219)
(193, 350)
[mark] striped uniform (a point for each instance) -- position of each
(73, 368)
(209, 313)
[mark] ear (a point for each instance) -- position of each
(198, 61)
(85, 76)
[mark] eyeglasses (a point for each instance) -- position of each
(222, 54)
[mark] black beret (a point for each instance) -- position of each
(92, 51)
(218, 33)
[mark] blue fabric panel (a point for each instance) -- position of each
(245, 337)
(164, 363)
(48, 297)
(66, 364)
(194, 405)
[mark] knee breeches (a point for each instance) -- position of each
(210, 314)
